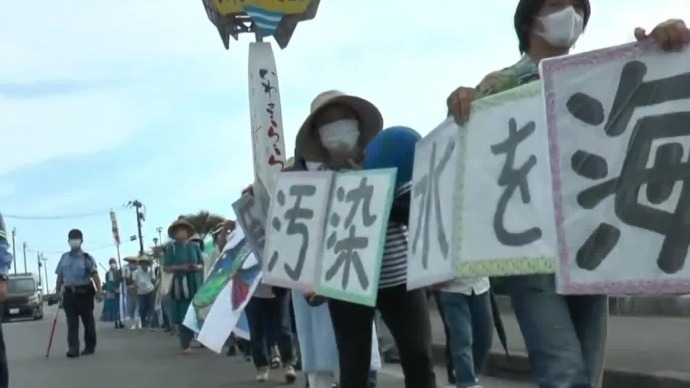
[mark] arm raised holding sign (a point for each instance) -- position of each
(547, 29)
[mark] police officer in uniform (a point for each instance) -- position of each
(5, 264)
(77, 276)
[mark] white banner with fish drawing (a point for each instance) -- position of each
(268, 144)
(355, 235)
(430, 258)
(619, 133)
(295, 229)
(505, 225)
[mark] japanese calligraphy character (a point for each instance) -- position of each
(295, 227)
(428, 189)
(667, 168)
(269, 87)
(359, 197)
(513, 179)
(348, 248)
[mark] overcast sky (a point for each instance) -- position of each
(104, 102)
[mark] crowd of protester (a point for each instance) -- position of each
(565, 335)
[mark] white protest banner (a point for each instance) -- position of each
(295, 229)
(266, 116)
(251, 216)
(505, 225)
(619, 133)
(430, 258)
(218, 304)
(355, 235)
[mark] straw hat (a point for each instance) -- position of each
(308, 145)
(131, 259)
(180, 223)
(144, 258)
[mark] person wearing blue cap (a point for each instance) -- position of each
(5, 265)
(345, 132)
(77, 277)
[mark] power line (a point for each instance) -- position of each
(63, 216)
(59, 252)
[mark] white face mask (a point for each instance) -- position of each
(113, 266)
(562, 28)
(74, 244)
(340, 136)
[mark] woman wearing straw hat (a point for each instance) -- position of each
(334, 137)
(184, 260)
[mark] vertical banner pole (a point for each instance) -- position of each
(268, 144)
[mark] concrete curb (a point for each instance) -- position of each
(634, 306)
(516, 367)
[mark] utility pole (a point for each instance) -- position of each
(40, 275)
(45, 269)
(159, 230)
(14, 249)
(140, 217)
(24, 245)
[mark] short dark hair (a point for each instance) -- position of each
(75, 234)
(525, 15)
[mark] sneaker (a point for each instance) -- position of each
(290, 375)
(262, 375)
(88, 352)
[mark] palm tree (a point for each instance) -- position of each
(204, 221)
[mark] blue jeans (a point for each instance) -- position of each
(470, 325)
(565, 334)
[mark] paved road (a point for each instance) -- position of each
(138, 358)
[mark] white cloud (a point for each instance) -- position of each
(7, 188)
(163, 53)
(55, 203)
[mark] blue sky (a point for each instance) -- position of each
(105, 102)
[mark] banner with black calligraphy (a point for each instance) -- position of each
(505, 225)
(355, 235)
(251, 217)
(430, 258)
(295, 229)
(268, 144)
(619, 133)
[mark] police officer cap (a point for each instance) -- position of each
(75, 234)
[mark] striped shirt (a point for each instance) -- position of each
(394, 263)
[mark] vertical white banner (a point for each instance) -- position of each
(268, 144)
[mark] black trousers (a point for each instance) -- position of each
(79, 306)
(4, 370)
(406, 315)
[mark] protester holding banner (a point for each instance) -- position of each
(111, 302)
(319, 357)
(565, 334)
(183, 259)
(333, 137)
